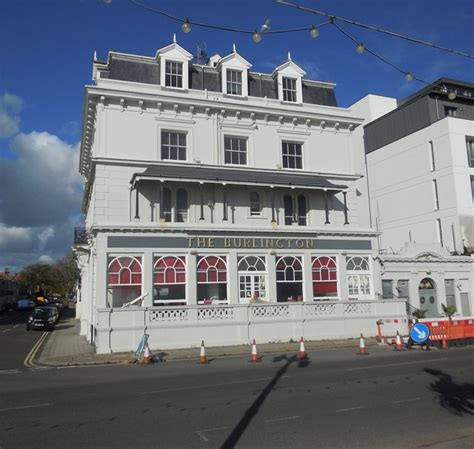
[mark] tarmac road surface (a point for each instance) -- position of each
(334, 400)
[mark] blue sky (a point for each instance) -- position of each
(47, 48)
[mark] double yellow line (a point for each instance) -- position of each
(32, 354)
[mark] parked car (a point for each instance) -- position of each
(56, 309)
(42, 318)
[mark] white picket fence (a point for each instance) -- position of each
(120, 330)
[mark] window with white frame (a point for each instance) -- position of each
(296, 212)
(292, 155)
(289, 89)
(289, 274)
(169, 280)
(470, 151)
(324, 277)
(234, 82)
(124, 280)
(174, 205)
(181, 206)
(252, 279)
(174, 74)
(359, 277)
(235, 150)
(173, 146)
(212, 279)
(255, 205)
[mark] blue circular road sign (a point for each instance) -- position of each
(419, 332)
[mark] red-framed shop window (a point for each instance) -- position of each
(124, 279)
(169, 280)
(324, 277)
(212, 279)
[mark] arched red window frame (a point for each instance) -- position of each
(124, 271)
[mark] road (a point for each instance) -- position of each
(15, 342)
(335, 400)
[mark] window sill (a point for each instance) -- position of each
(237, 97)
(176, 89)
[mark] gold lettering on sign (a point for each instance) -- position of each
(210, 242)
(309, 243)
(269, 243)
(201, 242)
(279, 243)
(288, 242)
(227, 243)
(248, 243)
(237, 243)
(299, 243)
(190, 241)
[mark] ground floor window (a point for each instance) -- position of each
(212, 279)
(124, 280)
(169, 280)
(252, 279)
(324, 277)
(359, 277)
(289, 274)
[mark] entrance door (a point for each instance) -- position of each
(428, 298)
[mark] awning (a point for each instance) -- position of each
(198, 174)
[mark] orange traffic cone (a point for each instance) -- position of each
(398, 342)
(202, 354)
(361, 346)
(146, 356)
(302, 352)
(254, 354)
(444, 345)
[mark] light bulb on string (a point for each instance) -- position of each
(256, 37)
(452, 95)
(313, 32)
(186, 26)
(409, 76)
(360, 48)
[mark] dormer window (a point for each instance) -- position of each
(289, 89)
(174, 66)
(174, 74)
(234, 74)
(288, 77)
(234, 82)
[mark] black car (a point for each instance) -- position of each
(42, 318)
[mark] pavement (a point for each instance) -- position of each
(65, 347)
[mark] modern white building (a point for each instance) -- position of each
(420, 165)
(225, 204)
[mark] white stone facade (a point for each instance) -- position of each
(198, 200)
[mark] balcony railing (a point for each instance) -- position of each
(81, 236)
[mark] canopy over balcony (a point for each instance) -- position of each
(219, 175)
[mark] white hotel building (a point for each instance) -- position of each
(209, 187)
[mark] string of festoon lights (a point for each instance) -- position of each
(313, 31)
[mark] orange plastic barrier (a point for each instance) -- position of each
(450, 330)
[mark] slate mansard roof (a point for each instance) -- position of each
(147, 70)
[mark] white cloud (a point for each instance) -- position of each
(44, 258)
(42, 185)
(10, 108)
(45, 235)
(15, 238)
(40, 192)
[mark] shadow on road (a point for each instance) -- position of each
(456, 398)
(253, 410)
